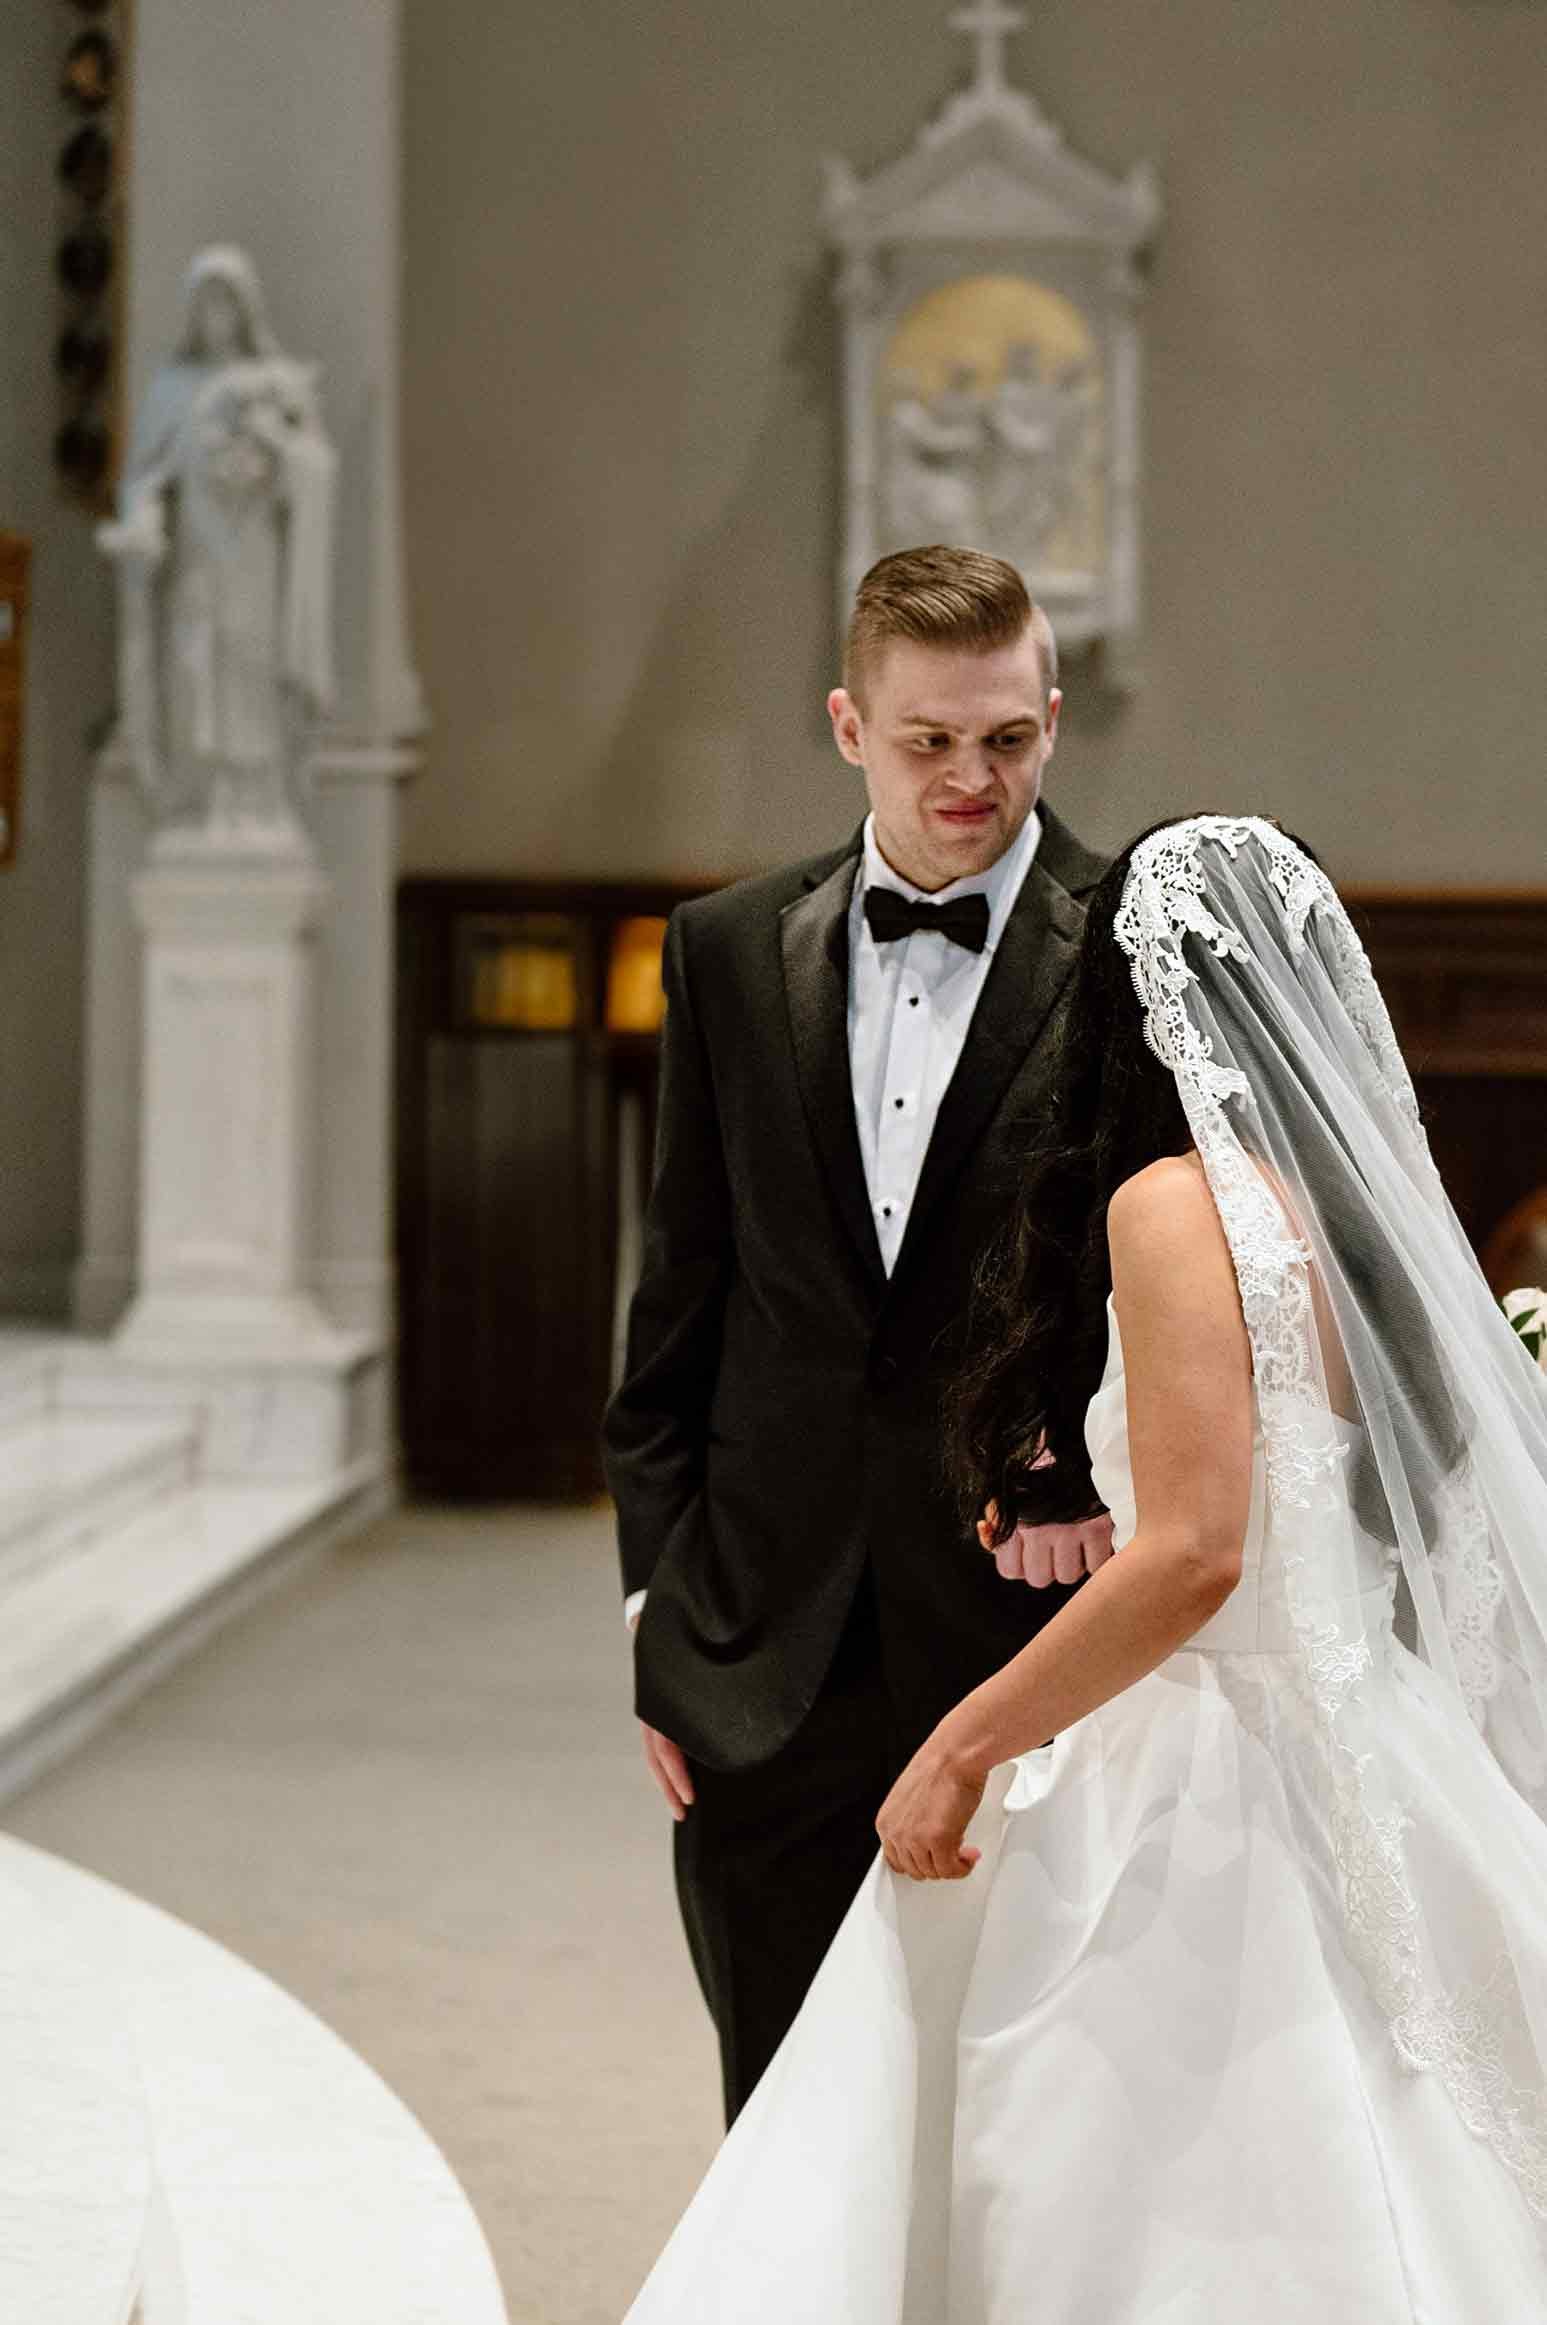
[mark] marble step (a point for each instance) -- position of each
(67, 1477)
(83, 1634)
(29, 1362)
(260, 1420)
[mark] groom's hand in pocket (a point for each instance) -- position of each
(1042, 1555)
(667, 1763)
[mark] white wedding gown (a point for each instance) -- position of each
(1126, 2073)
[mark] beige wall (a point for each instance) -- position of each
(69, 682)
(620, 419)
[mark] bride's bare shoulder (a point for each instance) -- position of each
(1166, 1212)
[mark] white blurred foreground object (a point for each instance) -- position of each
(182, 2143)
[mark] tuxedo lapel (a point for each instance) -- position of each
(814, 934)
(1031, 963)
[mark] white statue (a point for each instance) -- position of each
(223, 543)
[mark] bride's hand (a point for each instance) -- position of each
(925, 1814)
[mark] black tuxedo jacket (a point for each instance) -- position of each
(779, 1420)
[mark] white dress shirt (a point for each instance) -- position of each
(910, 1005)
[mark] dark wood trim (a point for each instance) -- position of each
(1371, 896)
(1465, 974)
(567, 892)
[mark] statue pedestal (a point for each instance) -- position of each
(228, 1123)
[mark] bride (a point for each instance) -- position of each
(1202, 1977)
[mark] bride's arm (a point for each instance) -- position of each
(1189, 1388)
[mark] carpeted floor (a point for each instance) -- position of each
(407, 1786)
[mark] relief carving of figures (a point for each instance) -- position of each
(223, 547)
(1037, 460)
(1004, 450)
(934, 463)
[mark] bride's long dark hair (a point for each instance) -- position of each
(1037, 1336)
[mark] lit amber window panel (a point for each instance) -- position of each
(636, 1002)
(519, 972)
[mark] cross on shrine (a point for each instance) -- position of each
(990, 23)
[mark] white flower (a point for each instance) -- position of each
(1527, 1311)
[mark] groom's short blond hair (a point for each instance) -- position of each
(942, 597)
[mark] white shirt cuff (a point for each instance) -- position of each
(633, 1606)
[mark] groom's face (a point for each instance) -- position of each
(952, 741)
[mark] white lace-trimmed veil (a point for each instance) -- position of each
(1364, 1303)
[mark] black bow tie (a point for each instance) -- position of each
(964, 919)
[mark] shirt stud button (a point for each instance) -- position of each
(898, 1103)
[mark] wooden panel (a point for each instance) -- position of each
(1489, 1139)
(1465, 975)
(513, 1066)
(1466, 978)
(505, 1370)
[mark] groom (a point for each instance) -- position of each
(849, 1046)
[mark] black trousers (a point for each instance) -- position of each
(768, 1859)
